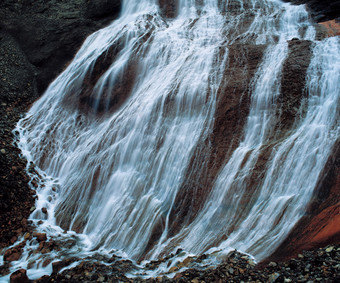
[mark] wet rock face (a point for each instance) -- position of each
(293, 82)
(320, 226)
(168, 8)
(321, 10)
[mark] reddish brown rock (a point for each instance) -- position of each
(332, 27)
(19, 276)
(14, 253)
(293, 83)
(41, 237)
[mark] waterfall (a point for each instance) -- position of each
(114, 135)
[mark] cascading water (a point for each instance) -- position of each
(114, 134)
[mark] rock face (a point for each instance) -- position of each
(168, 8)
(50, 32)
(321, 10)
(332, 27)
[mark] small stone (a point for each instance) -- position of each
(300, 256)
(194, 280)
(13, 240)
(328, 250)
(19, 276)
(288, 280)
(101, 279)
(3, 151)
(68, 277)
(272, 264)
(273, 277)
(32, 209)
(251, 262)
(44, 210)
(27, 235)
(41, 237)
(231, 270)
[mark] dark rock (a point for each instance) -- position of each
(41, 237)
(168, 8)
(57, 266)
(50, 33)
(19, 276)
(293, 83)
(321, 10)
(102, 8)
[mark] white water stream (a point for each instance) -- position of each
(112, 175)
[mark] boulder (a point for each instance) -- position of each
(19, 276)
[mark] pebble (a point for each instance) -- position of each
(328, 250)
(3, 151)
(273, 277)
